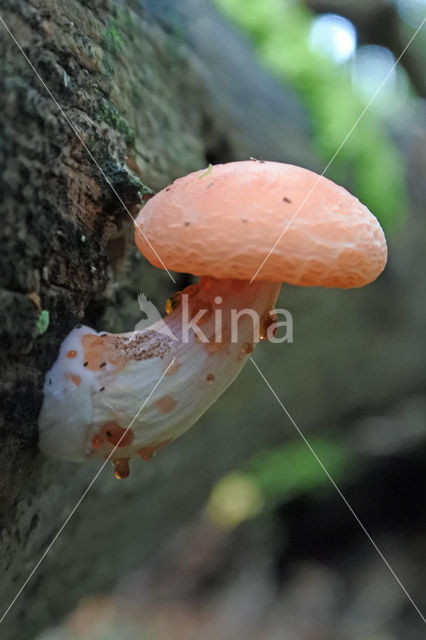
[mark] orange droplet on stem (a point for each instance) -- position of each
(266, 322)
(121, 468)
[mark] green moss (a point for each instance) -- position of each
(110, 114)
(131, 189)
(113, 43)
(141, 187)
(43, 322)
(112, 38)
(96, 148)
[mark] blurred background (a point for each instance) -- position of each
(277, 552)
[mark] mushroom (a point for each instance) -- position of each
(220, 225)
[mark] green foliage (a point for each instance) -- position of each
(283, 473)
(279, 30)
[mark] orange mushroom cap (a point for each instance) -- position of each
(224, 222)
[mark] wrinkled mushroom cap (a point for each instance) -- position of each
(224, 221)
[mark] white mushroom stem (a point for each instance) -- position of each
(99, 382)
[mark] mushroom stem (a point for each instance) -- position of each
(100, 381)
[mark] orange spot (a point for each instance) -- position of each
(76, 380)
(147, 453)
(116, 435)
(218, 345)
(210, 377)
(121, 468)
(172, 368)
(212, 347)
(166, 404)
(98, 350)
(94, 350)
(71, 354)
(96, 441)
